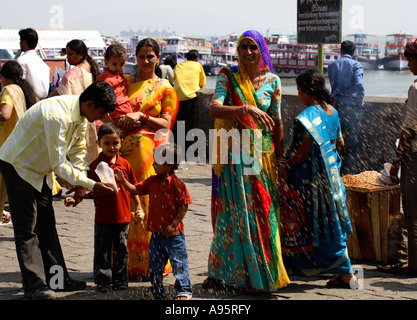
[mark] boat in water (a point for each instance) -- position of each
(223, 53)
(179, 46)
(367, 50)
(394, 52)
(289, 58)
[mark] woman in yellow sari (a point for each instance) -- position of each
(155, 106)
(16, 97)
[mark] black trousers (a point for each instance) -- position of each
(110, 241)
(36, 238)
(187, 112)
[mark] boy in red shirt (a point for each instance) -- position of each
(112, 214)
(168, 203)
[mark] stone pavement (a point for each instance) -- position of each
(75, 228)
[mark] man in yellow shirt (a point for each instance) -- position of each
(189, 77)
(49, 137)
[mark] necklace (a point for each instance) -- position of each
(260, 78)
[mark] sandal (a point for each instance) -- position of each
(211, 283)
(184, 296)
(102, 288)
(121, 286)
(338, 283)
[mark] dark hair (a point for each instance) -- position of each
(312, 82)
(13, 71)
(80, 48)
(170, 152)
(408, 54)
(30, 36)
(108, 128)
(192, 55)
(115, 50)
(149, 42)
(348, 47)
(102, 94)
(171, 60)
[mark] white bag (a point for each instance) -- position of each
(106, 175)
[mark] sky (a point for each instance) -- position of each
(200, 18)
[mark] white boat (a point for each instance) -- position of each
(289, 58)
(367, 51)
(223, 53)
(394, 52)
(52, 41)
(179, 47)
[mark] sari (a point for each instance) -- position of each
(154, 98)
(246, 248)
(13, 96)
(314, 238)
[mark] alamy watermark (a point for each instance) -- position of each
(57, 280)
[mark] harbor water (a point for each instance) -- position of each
(378, 83)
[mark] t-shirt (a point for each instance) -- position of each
(189, 77)
(114, 207)
(166, 196)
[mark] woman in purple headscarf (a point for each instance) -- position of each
(246, 248)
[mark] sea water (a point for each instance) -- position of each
(377, 83)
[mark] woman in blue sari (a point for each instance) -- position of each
(314, 218)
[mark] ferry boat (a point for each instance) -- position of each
(394, 52)
(289, 58)
(367, 50)
(179, 46)
(223, 53)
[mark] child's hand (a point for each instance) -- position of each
(138, 215)
(70, 202)
(168, 231)
(119, 175)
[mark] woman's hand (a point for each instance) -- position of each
(130, 121)
(261, 117)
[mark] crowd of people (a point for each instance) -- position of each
(287, 217)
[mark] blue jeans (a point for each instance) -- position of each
(160, 250)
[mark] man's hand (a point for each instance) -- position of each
(102, 188)
(79, 193)
(393, 173)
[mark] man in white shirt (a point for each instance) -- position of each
(49, 137)
(35, 70)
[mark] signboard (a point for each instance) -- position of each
(319, 21)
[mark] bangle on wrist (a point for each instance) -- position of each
(145, 117)
(245, 109)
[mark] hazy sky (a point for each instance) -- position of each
(200, 18)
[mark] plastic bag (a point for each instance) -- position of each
(106, 175)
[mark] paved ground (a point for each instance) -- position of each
(75, 227)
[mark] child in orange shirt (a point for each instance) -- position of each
(168, 203)
(115, 60)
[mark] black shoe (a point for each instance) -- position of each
(42, 293)
(73, 285)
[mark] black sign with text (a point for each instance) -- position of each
(319, 21)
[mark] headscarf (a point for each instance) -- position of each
(411, 46)
(265, 60)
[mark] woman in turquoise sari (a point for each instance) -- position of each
(314, 218)
(246, 249)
